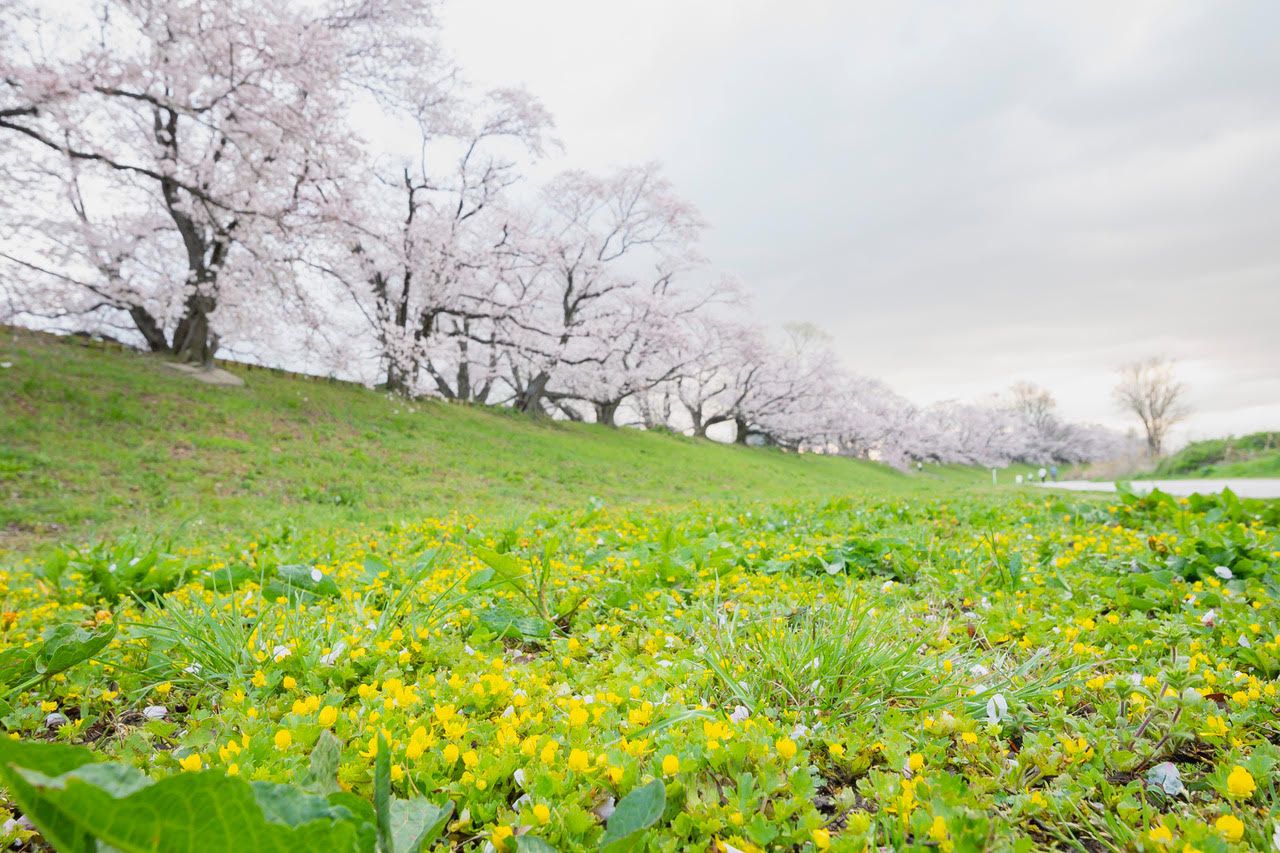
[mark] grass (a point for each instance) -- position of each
(95, 442)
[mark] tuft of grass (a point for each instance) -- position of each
(833, 661)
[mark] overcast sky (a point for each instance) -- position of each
(962, 194)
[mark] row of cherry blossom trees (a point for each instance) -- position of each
(275, 176)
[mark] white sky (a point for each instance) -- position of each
(963, 195)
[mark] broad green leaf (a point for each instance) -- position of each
(479, 579)
(118, 780)
(51, 759)
(205, 811)
(16, 664)
(533, 844)
(366, 819)
(416, 823)
(292, 806)
(228, 578)
(507, 623)
(67, 645)
(300, 582)
(373, 567)
(638, 810)
(322, 778)
(507, 567)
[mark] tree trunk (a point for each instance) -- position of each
(464, 380)
(740, 436)
(151, 331)
(699, 425)
(193, 340)
(397, 381)
(607, 412)
(529, 400)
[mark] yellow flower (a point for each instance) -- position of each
(284, 738)
(1216, 726)
(48, 707)
(938, 833)
(328, 716)
(542, 814)
(192, 762)
(1160, 834)
(1231, 827)
(786, 748)
(450, 753)
(470, 758)
(163, 688)
(915, 762)
(1240, 784)
(670, 765)
(289, 682)
(233, 769)
(579, 760)
(259, 679)
(498, 838)
(821, 838)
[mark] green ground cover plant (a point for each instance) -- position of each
(951, 671)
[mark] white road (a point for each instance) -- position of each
(1245, 488)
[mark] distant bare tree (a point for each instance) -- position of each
(1034, 405)
(1149, 390)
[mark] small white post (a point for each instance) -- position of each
(993, 476)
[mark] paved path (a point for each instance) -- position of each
(1245, 488)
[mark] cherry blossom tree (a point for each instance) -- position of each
(174, 150)
(782, 396)
(600, 257)
(771, 387)
(425, 251)
(711, 385)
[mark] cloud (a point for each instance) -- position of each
(962, 194)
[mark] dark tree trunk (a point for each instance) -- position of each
(742, 431)
(699, 425)
(464, 380)
(607, 412)
(397, 382)
(193, 340)
(151, 331)
(530, 399)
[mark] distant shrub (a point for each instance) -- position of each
(1198, 458)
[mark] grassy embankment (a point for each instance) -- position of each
(1255, 455)
(96, 442)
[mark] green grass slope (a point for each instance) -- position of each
(96, 442)
(1256, 455)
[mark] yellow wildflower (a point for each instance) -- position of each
(1240, 784)
(1231, 827)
